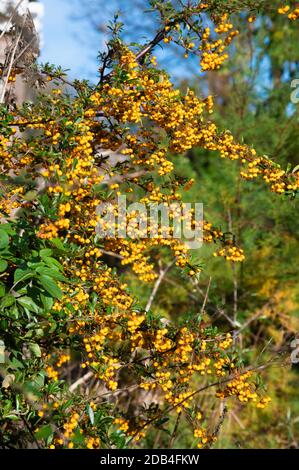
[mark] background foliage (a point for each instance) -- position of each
(256, 301)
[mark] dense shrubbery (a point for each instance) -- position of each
(90, 360)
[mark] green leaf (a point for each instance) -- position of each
(22, 274)
(44, 432)
(12, 417)
(47, 302)
(15, 364)
(14, 312)
(50, 286)
(2, 290)
(52, 262)
(3, 265)
(90, 414)
(51, 272)
(39, 380)
(30, 195)
(4, 239)
(7, 228)
(28, 303)
(58, 244)
(35, 349)
(7, 301)
(53, 327)
(39, 333)
(45, 252)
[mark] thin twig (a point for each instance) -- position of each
(237, 419)
(206, 296)
(148, 48)
(81, 381)
(24, 50)
(10, 18)
(12, 60)
(111, 253)
(30, 431)
(157, 285)
(251, 319)
(220, 421)
(222, 312)
(196, 392)
(175, 430)
(235, 279)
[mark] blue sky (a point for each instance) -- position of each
(63, 40)
(71, 42)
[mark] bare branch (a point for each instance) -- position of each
(156, 286)
(10, 18)
(81, 381)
